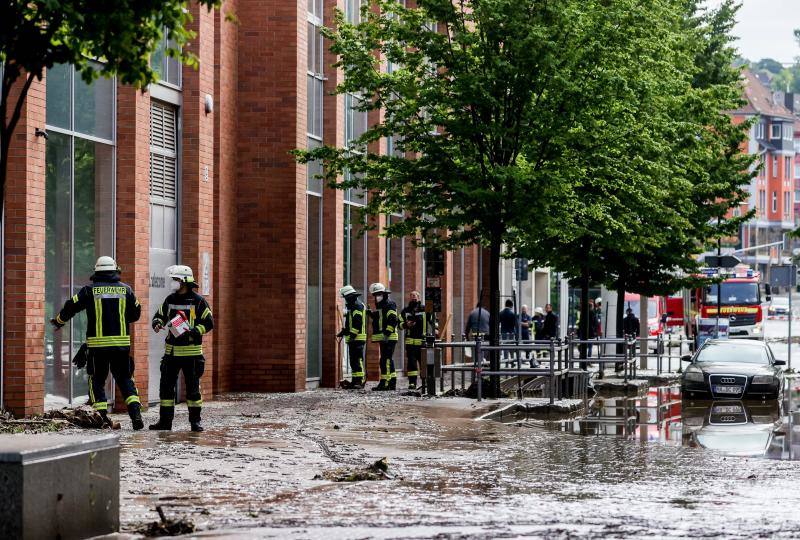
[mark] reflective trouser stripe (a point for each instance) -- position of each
(108, 341)
(412, 373)
(191, 403)
(132, 399)
(358, 374)
(101, 406)
(167, 402)
(413, 341)
(91, 390)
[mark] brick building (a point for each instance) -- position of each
(772, 191)
(197, 170)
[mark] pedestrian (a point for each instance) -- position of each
(598, 303)
(525, 323)
(417, 324)
(550, 326)
(354, 332)
(630, 329)
(384, 331)
(477, 323)
(187, 317)
(111, 307)
(508, 325)
(538, 324)
(591, 326)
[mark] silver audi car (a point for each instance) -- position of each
(733, 369)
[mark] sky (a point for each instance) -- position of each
(765, 27)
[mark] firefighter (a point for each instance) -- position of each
(354, 332)
(183, 352)
(416, 324)
(384, 331)
(110, 307)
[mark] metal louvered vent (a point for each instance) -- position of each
(163, 154)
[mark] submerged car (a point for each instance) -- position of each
(733, 369)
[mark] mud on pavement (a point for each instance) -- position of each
(259, 471)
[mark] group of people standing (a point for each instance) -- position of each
(111, 307)
(386, 323)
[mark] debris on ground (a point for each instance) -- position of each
(11, 425)
(251, 415)
(167, 527)
(82, 416)
(377, 471)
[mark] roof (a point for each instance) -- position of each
(760, 99)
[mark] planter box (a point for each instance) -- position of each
(59, 486)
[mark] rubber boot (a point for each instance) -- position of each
(135, 412)
(194, 419)
(412, 382)
(346, 385)
(381, 386)
(357, 383)
(165, 416)
(107, 422)
(392, 384)
(422, 385)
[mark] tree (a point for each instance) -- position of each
(37, 34)
(767, 64)
(517, 118)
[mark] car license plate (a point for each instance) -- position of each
(728, 389)
(726, 409)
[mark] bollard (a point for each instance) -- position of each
(430, 357)
(479, 366)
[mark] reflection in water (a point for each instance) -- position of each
(738, 428)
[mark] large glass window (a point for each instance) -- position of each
(167, 67)
(315, 83)
(79, 212)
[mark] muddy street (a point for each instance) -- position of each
(257, 471)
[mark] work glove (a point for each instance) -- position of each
(195, 335)
(386, 333)
(341, 333)
(56, 325)
(81, 357)
(157, 327)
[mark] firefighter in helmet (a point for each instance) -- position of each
(384, 332)
(354, 332)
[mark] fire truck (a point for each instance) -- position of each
(740, 302)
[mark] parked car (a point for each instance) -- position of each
(733, 369)
(779, 306)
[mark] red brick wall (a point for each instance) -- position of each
(24, 317)
(224, 181)
(133, 219)
(271, 247)
(197, 188)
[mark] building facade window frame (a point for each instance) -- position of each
(774, 202)
(66, 127)
(775, 130)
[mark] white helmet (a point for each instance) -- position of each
(347, 290)
(539, 311)
(106, 264)
(377, 288)
(182, 273)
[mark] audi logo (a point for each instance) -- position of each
(727, 419)
(732, 317)
(727, 380)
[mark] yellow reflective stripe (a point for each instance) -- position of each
(59, 320)
(109, 341)
(98, 317)
(191, 403)
(91, 388)
(122, 326)
(358, 374)
(200, 328)
(167, 402)
(161, 309)
(132, 399)
(206, 313)
(137, 304)
(412, 373)
(75, 298)
(185, 350)
(101, 406)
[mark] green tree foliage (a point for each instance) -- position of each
(37, 34)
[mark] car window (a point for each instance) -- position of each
(733, 352)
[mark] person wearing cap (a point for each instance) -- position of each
(187, 317)
(354, 332)
(538, 324)
(417, 323)
(110, 307)
(384, 332)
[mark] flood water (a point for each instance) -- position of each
(769, 429)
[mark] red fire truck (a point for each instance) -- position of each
(740, 302)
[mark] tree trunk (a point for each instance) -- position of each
(494, 311)
(584, 315)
